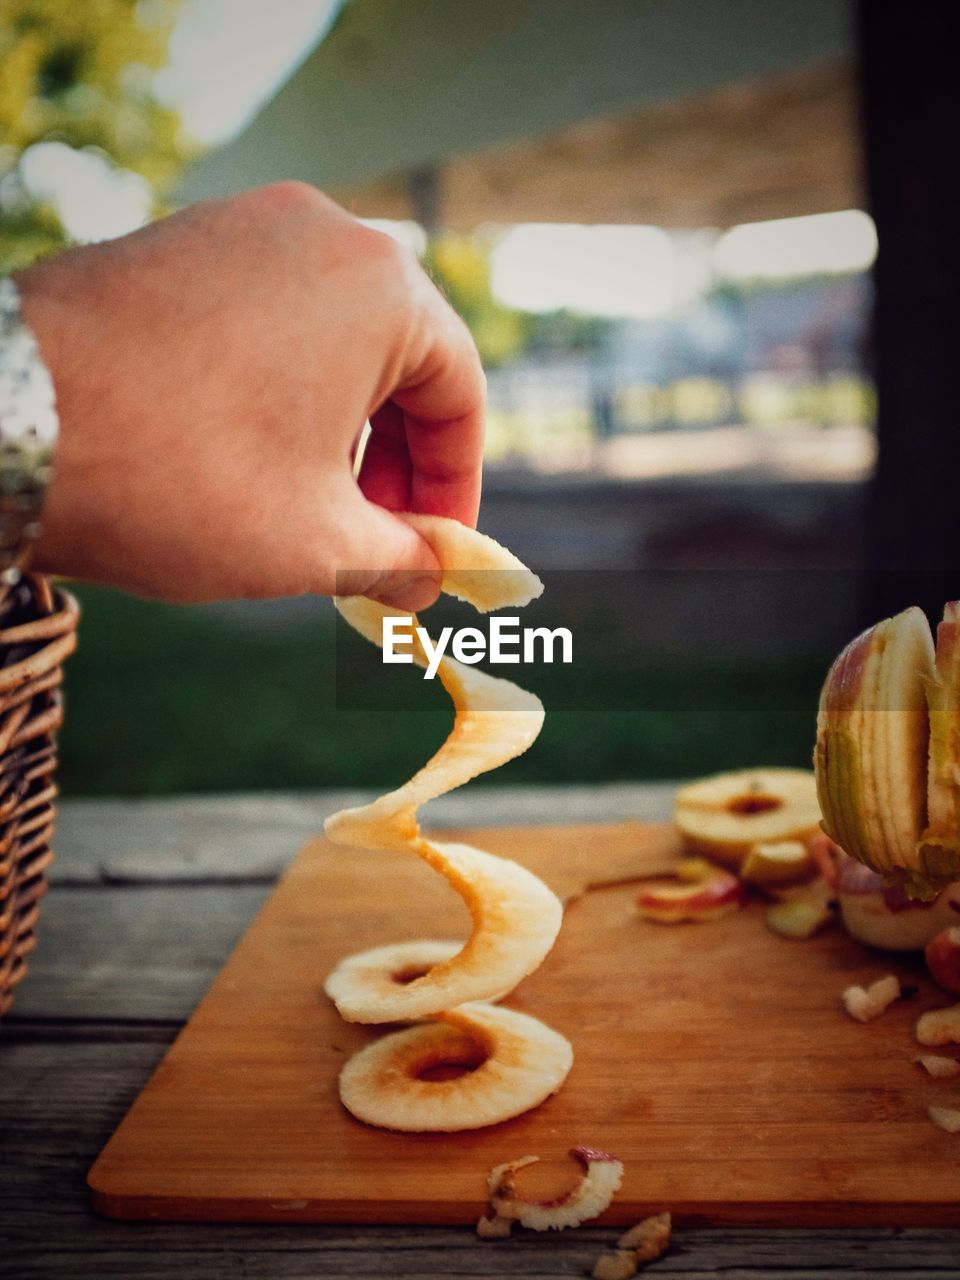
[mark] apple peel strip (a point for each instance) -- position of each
(515, 916)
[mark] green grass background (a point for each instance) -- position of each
(164, 699)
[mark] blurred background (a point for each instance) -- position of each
(654, 218)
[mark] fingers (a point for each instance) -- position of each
(386, 473)
(382, 557)
(441, 396)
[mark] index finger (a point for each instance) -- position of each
(442, 395)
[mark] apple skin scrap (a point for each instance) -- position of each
(697, 891)
(589, 1196)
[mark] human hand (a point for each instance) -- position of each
(213, 375)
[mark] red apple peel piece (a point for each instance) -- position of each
(943, 959)
(698, 891)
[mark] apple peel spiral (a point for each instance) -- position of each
(514, 1061)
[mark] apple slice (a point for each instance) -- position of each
(871, 751)
(723, 817)
(697, 892)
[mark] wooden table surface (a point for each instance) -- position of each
(148, 899)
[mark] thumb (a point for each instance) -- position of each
(382, 557)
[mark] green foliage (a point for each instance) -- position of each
(79, 72)
(461, 267)
(460, 264)
(566, 331)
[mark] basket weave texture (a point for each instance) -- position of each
(37, 631)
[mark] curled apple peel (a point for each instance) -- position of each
(515, 917)
(590, 1195)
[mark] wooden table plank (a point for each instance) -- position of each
(62, 1090)
(253, 837)
(137, 954)
(64, 1085)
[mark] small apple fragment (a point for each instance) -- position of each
(943, 959)
(644, 1242)
(775, 864)
(801, 912)
(648, 1238)
(946, 1118)
(696, 892)
(615, 1264)
(938, 1065)
(939, 1026)
(866, 1003)
(586, 1199)
(724, 816)
(493, 1228)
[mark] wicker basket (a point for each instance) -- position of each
(37, 631)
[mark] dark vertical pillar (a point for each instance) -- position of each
(910, 64)
(424, 189)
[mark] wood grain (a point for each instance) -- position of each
(127, 954)
(64, 1086)
(713, 1059)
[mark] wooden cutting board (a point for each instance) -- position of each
(713, 1059)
